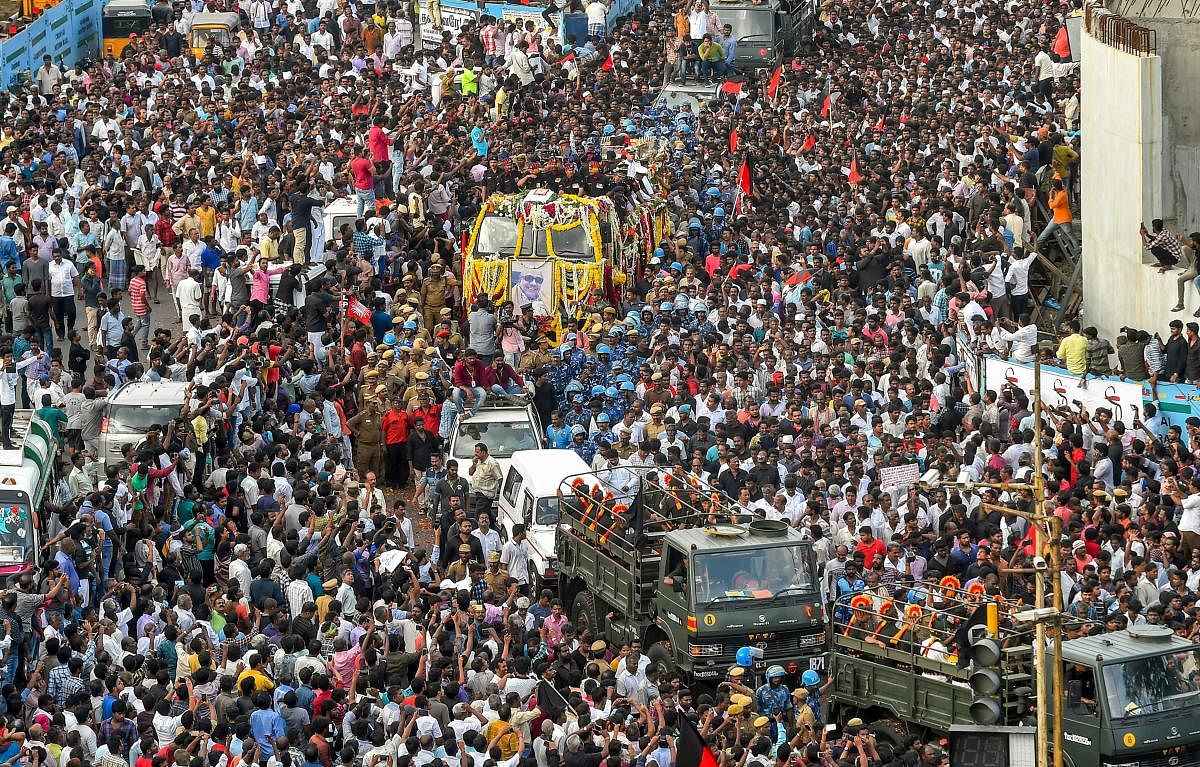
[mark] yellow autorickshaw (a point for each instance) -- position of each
(210, 28)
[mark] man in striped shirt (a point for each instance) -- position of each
(141, 306)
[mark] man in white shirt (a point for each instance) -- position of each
(239, 568)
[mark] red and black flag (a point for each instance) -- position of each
(690, 749)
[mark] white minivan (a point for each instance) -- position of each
(529, 496)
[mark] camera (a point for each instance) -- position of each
(1039, 564)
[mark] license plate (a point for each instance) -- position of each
(759, 665)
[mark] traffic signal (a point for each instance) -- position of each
(986, 684)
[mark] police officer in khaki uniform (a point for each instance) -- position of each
(436, 292)
(538, 358)
(496, 576)
(420, 388)
(368, 433)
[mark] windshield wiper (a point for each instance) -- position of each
(792, 587)
(721, 597)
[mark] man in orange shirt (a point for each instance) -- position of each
(1061, 210)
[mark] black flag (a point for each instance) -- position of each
(550, 700)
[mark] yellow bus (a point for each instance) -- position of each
(122, 20)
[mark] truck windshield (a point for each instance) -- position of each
(503, 438)
(573, 244)
(1151, 685)
(752, 574)
(753, 27)
(497, 236)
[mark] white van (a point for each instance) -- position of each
(529, 496)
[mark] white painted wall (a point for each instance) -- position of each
(1121, 167)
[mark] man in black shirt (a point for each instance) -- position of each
(302, 208)
(317, 306)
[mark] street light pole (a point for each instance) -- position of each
(1039, 576)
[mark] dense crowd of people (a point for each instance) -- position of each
(293, 573)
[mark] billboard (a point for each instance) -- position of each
(1062, 389)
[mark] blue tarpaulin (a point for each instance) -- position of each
(68, 32)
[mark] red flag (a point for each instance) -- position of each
(879, 125)
(690, 749)
(732, 88)
(809, 143)
(744, 177)
(358, 311)
(608, 63)
(733, 141)
(855, 176)
(773, 86)
(569, 57)
(825, 107)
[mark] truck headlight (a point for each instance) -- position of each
(703, 650)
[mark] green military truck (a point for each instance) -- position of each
(667, 563)
(1132, 697)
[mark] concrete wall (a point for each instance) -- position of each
(1121, 161)
(1177, 25)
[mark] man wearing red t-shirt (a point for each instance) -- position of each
(869, 546)
(362, 170)
(395, 437)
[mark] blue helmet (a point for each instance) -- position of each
(603, 349)
(719, 212)
(602, 418)
(609, 130)
(597, 391)
(566, 348)
(628, 386)
(776, 672)
(744, 658)
(612, 392)
(573, 387)
(810, 678)
(714, 192)
(666, 306)
(389, 338)
(410, 325)
(621, 378)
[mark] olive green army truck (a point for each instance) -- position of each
(667, 562)
(1131, 698)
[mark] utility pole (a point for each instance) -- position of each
(1039, 576)
(1046, 531)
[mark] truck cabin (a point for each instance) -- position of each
(1128, 691)
(764, 32)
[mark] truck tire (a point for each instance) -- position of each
(660, 653)
(887, 732)
(535, 581)
(583, 612)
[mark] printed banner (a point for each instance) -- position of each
(454, 17)
(1061, 389)
(1176, 403)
